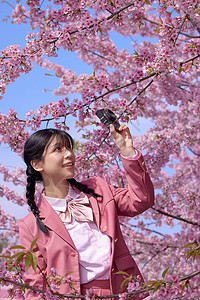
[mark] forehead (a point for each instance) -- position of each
(58, 141)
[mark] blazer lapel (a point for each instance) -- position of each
(50, 218)
(95, 209)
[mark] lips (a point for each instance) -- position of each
(70, 164)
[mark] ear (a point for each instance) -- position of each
(37, 165)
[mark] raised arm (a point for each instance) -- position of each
(140, 193)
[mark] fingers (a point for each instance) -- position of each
(112, 128)
(121, 128)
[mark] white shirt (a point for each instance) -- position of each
(93, 246)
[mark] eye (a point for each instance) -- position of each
(57, 148)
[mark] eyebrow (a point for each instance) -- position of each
(59, 144)
(54, 145)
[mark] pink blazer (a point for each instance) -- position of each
(58, 250)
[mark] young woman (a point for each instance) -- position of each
(77, 223)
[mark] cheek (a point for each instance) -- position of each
(53, 161)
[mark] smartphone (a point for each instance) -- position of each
(108, 117)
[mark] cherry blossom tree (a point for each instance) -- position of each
(157, 80)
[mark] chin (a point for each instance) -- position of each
(69, 177)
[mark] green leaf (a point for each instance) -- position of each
(17, 247)
(190, 253)
(17, 254)
(127, 118)
(165, 272)
(5, 256)
(99, 29)
(150, 70)
(33, 259)
(124, 283)
(150, 283)
(68, 273)
(19, 258)
(157, 30)
(33, 243)
(135, 54)
(122, 273)
(157, 286)
(27, 261)
(180, 69)
(189, 245)
(141, 108)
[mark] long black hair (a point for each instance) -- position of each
(34, 149)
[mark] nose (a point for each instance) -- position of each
(67, 152)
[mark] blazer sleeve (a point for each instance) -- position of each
(140, 193)
(32, 278)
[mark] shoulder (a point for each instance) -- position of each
(99, 185)
(28, 217)
(28, 221)
(94, 181)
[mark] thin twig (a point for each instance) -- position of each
(185, 18)
(171, 27)
(193, 23)
(108, 18)
(156, 245)
(147, 229)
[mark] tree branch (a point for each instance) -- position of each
(189, 276)
(120, 10)
(67, 295)
(190, 59)
(175, 217)
(101, 56)
(183, 33)
(110, 17)
(197, 154)
(186, 277)
(109, 92)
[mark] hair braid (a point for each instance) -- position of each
(30, 191)
(82, 187)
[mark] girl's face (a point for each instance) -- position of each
(57, 164)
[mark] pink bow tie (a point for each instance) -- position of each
(77, 208)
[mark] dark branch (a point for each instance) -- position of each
(176, 217)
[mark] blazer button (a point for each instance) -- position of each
(104, 228)
(116, 240)
(143, 163)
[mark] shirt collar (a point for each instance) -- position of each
(61, 204)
